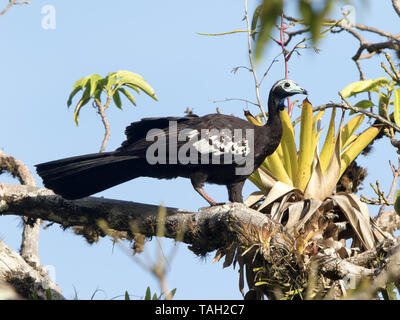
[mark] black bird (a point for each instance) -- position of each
(215, 148)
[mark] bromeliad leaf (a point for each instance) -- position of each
(351, 127)
(357, 146)
(306, 152)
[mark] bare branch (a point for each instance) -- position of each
(256, 83)
(396, 173)
(396, 6)
(30, 235)
(205, 230)
(101, 110)
(236, 99)
(12, 3)
(24, 278)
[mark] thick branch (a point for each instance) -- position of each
(205, 230)
(25, 279)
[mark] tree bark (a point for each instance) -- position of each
(29, 249)
(26, 280)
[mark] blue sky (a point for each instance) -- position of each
(158, 40)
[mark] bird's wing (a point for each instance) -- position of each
(137, 131)
(191, 139)
(219, 136)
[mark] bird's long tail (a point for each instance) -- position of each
(81, 176)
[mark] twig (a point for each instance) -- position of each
(12, 3)
(270, 66)
(396, 173)
(101, 110)
(236, 99)
(348, 106)
(396, 6)
(355, 109)
(256, 83)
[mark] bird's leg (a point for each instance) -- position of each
(235, 192)
(205, 196)
(198, 180)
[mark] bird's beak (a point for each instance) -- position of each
(298, 90)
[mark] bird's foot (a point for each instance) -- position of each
(221, 203)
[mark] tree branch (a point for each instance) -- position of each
(25, 279)
(253, 70)
(30, 235)
(205, 230)
(101, 110)
(396, 6)
(12, 3)
(209, 229)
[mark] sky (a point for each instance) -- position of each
(160, 41)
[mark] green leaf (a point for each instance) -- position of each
(396, 200)
(48, 294)
(155, 297)
(363, 104)
(271, 10)
(128, 95)
(256, 16)
(117, 100)
(127, 296)
(389, 293)
(86, 82)
(133, 79)
(71, 96)
(100, 87)
(172, 293)
(397, 106)
(314, 17)
(81, 83)
(371, 85)
(148, 294)
(84, 100)
(93, 80)
(110, 81)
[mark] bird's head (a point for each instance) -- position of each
(283, 89)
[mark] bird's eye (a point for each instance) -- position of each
(286, 85)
